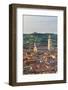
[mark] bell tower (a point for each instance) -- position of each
(49, 42)
(35, 48)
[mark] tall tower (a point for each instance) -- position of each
(35, 48)
(49, 42)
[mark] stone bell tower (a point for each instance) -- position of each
(35, 48)
(49, 42)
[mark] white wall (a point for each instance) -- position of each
(4, 44)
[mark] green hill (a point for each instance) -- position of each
(39, 38)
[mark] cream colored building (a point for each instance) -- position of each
(49, 42)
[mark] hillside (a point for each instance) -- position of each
(39, 38)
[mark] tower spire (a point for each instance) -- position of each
(35, 48)
(49, 42)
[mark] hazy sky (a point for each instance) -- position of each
(40, 24)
